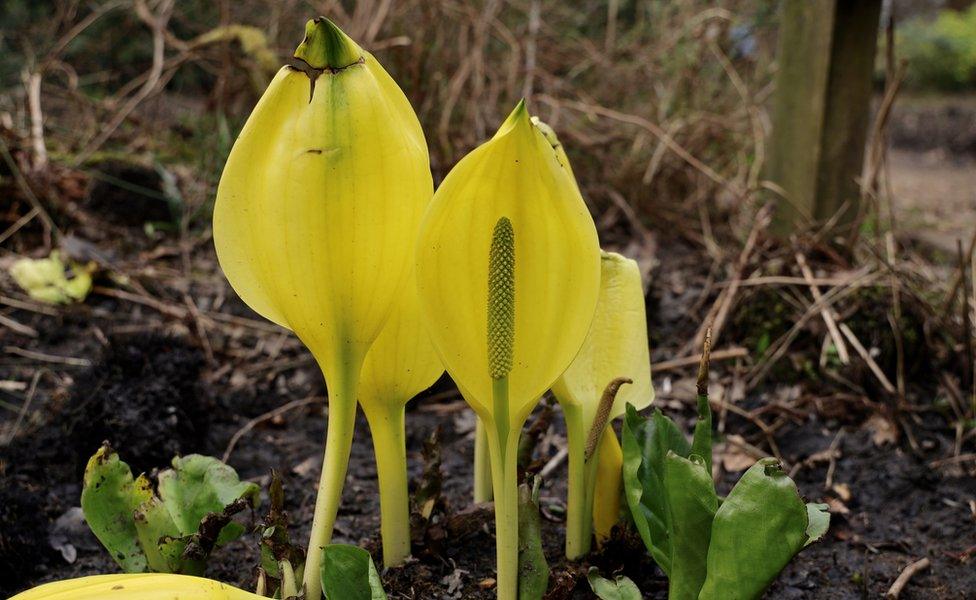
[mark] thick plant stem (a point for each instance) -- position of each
(503, 455)
(582, 478)
(504, 475)
(482, 465)
(386, 423)
(338, 443)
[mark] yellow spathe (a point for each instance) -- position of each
(609, 485)
(318, 206)
(315, 224)
(136, 586)
(616, 346)
(402, 361)
(508, 270)
(517, 176)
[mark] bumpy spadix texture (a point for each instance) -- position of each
(501, 299)
(318, 206)
(136, 586)
(514, 176)
(616, 345)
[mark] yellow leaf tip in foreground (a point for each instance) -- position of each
(501, 299)
(327, 47)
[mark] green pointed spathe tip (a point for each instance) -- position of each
(326, 46)
(519, 117)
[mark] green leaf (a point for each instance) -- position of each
(758, 529)
(692, 502)
(108, 499)
(701, 443)
(348, 573)
(159, 536)
(646, 442)
(198, 485)
(621, 588)
(533, 569)
(818, 519)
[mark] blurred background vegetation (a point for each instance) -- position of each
(619, 79)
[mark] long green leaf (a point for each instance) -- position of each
(108, 499)
(646, 442)
(692, 502)
(758, 529)
(621, 588)
(348, 573)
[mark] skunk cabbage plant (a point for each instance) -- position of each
(400, 364)
(615, 350)
(315, 222)
(508, 269)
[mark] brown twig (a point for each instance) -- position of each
(866, 357)
(49, 358)
(25, 407)
(50, 229)
(690, 361)
(907, 573)
(825, 313)
(240, 433)
(32, 85)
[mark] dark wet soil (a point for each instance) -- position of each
(153, 396)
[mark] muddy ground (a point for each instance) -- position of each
(176, 364)
(154, 395)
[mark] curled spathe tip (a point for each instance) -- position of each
(326, 47)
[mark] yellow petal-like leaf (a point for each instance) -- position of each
(616, 346)
(517, 177)
(402, 361)
(609, 484)
(318, 206)
(137, 586)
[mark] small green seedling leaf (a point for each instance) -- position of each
(348, 573)
(533, 568)
(198, 485)
(159, 536)
(108, 499)
(692, 503)
(172, 532)
(758, 529)
(621, 588)
(646, 442)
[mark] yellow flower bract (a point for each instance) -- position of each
(515, 175)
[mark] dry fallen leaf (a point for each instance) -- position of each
(843, 491)
(837, 507)
(734, 454)
(883, 431)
